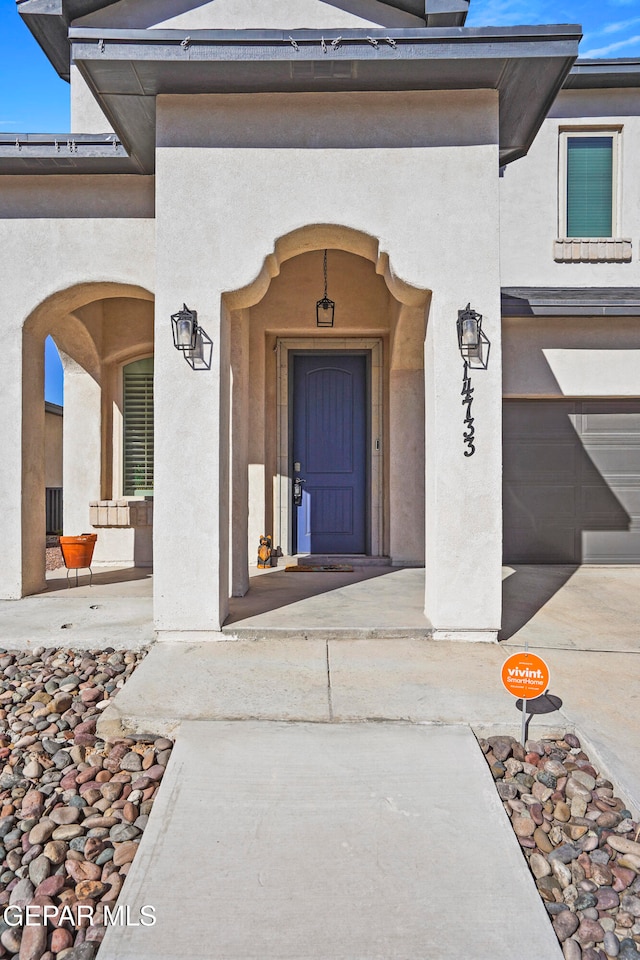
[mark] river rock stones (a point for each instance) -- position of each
(583, 850)
(71, 818)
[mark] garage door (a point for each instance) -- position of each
(571, 481)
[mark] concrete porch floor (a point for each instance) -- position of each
(580, 608)
(116, 611)
(370, 602)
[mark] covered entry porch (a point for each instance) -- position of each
(416, 516)
(565, 607)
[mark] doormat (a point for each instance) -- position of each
(328, 568)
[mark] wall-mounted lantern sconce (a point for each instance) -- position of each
(185, 329)
(471, 339)
(191, 339)
(325, 308)
(474, 349)
(200, 357)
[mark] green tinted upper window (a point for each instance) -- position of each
(589, 186)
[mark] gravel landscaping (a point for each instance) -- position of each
(72, 808)
(54, 554)
(581, 844)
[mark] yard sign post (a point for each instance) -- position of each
(525, 675)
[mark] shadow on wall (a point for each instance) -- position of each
(571, 481)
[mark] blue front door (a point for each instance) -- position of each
(330, 452)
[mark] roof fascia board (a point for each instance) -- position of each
(446, 13)
(411, 35)
(59, 153)
(49, 21)
(603, 74)
(570, 302)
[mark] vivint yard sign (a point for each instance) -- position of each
(525, 675)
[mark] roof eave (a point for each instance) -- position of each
(49, 21)
(603, 74)
(565, 302)
(127, 69)
(57, 153)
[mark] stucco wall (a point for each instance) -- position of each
(52, 447)
(529, 195)
(62, 243)
(86, 113)
(571, 357)
(236, 173)
(241, 14)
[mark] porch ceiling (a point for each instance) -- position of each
(127, 69)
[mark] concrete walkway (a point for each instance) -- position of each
(330, 842)
(326, 799)
(595, 693)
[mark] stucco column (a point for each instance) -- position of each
(22, 476)
(82, 447)
(406, 438)
(239, 452)
(191, 462)
(463, 494)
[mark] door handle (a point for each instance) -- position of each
(297, 491)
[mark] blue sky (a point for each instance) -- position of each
(611, 28)
(33, 99)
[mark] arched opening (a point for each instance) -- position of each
(378, 336)
(95, 328)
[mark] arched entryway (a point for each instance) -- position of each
(98, 328)
(377, 336)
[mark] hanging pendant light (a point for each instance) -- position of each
(325, 308)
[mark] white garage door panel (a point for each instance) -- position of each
(572, 481)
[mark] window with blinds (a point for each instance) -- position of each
(590, 192)
(137, 414)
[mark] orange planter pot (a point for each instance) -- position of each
(77, 552)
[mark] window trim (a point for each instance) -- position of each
(565, 133)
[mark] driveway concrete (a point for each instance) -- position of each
(580, 608)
